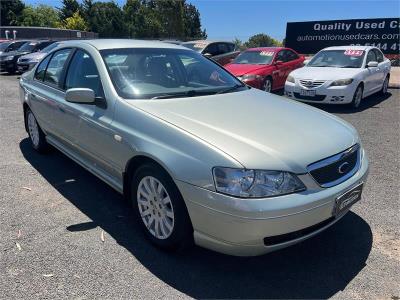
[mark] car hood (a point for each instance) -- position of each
(241, 69)
(34, 55)
(258, 129)
(325, 73)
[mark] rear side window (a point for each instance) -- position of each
(371, 56)
(41, 69)
(379, 56)
(55, 67)
(83, 73)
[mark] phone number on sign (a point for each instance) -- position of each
(382, 46)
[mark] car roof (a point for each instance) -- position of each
(206, 42)
(349, 47)
(102, 44)
(275, 49)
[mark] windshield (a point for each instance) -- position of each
(4, 46)
(255, 57)
(28, 46)
(195, 46)
(338, 59)
(166, 73)
(49, 47)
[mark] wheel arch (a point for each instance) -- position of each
(25, 107)
(133, 164)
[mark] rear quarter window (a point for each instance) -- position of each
(41, 69)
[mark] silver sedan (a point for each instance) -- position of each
(202, 157)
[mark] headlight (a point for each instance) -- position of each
(342, 82)
(255, 183)
(290, 79)
(251, 77)
(9, 57)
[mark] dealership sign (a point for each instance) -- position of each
(310, 37)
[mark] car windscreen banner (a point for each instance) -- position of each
(310, 37)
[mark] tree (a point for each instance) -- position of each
(192, 23)
(41, 16)
(76, 22)
(9, 12)
(69, 7)
(238, 44)
(107, 20)
(261, 40)
(131, 11)
(171, 16)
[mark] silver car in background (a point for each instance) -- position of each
(28, 61)
(200, 156)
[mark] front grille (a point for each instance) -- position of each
(23, 59)
(287, 237)
(311, 83)
(310, 98)
(337, 168)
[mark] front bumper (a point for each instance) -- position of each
(323, 94)
(7, 65)
(239, 226)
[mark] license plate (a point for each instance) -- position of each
(309, 93)
(346, 200)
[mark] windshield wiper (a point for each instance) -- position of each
(190, 93)
(230, 89)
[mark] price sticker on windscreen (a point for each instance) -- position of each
(266, 53)
(353, 52)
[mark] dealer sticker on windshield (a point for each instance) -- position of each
(353, 52)
(267, 53)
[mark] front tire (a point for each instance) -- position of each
(160, 208)
(267, 87)
(36, 135)
(358, 96)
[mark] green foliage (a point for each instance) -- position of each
(76, 22)
(192, 23)
(41, 16)
(107, 19)
(239, 44)
(69, 7)
(9, 12)
(262, 40)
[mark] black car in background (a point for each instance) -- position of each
(8, 60)
(9, 46)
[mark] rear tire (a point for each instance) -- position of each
(160, 208)
(36, 135)
(385, 86)
(358, 96)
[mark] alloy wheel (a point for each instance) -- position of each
(33, 129)
(155, 207)
(358, 97)
(268, 86)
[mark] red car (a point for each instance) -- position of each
(265, 68)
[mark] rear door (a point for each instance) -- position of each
(372, 75)
(382, 67)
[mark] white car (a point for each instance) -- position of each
(340, 75)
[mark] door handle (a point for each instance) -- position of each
(61, 109)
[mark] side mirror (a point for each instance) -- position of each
(372, 64)
(305, 62)
(80, 95)
(278, 62)
(208, 55)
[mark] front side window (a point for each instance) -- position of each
(16, 45)
(338, 59)
(291, 55)
(263, 57)
(41, 69)
(142, 73)
(55, 67)
(83, 73)
(281, 56)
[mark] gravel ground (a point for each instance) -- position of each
(54, 216)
